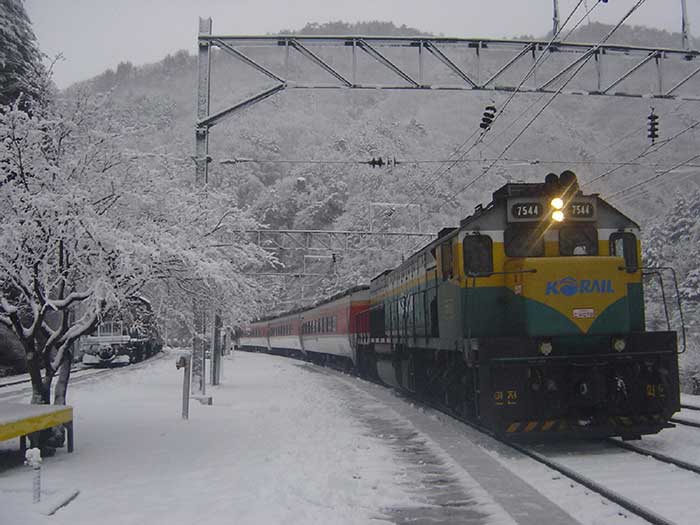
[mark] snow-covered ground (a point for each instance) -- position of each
(279, 445)
(287, 442)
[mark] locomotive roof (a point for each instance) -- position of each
(552, 187)
(482, 218)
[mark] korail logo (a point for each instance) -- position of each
(569, 286)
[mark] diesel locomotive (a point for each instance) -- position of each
(528, 319)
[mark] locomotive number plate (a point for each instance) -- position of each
(584, 313)
(581, 210)
(526, 210)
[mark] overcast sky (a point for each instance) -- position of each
(94, 35)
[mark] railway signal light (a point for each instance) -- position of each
(653, 126)
(489, 115)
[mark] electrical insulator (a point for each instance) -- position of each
(335, 258)
(487, 119)
(376, 162)
(653, 126)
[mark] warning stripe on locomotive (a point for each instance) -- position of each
(561, 425)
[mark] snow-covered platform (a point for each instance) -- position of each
(284, 442)
(19, 420)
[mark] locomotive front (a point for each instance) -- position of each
(555, 324)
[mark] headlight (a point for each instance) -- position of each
(619, 344)
(545, 348)
(558, 216)
(557, 203)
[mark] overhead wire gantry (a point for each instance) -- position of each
(416, 77)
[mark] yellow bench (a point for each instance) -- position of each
(17, 420)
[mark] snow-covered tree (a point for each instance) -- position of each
(21, 69)
(87, 223)
(672, 240)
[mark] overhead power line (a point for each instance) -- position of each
(645, 191)
(551, 100)
(657, 176)
(650, 149)
(544, 57)
(439, 173)
(390, 162)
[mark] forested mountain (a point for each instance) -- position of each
(336, 130)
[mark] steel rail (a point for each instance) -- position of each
(21, 381)
(93, 372)
(685, 422)
(656, 455)
(625, 503)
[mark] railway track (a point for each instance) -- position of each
(687, 422)
(624, 466)
(78, 375)
(633, 479)
(27, 380)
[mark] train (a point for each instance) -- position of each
(527, 320)
(126, 336)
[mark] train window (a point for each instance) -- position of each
(623, 244)
(578, 240)
(446, 260)
(523, 241)
(478, 254)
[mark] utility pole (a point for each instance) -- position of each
(199, 348)
(216, 351)
(555, 18)
(203, 96)
(201, 179)
(685, 27)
